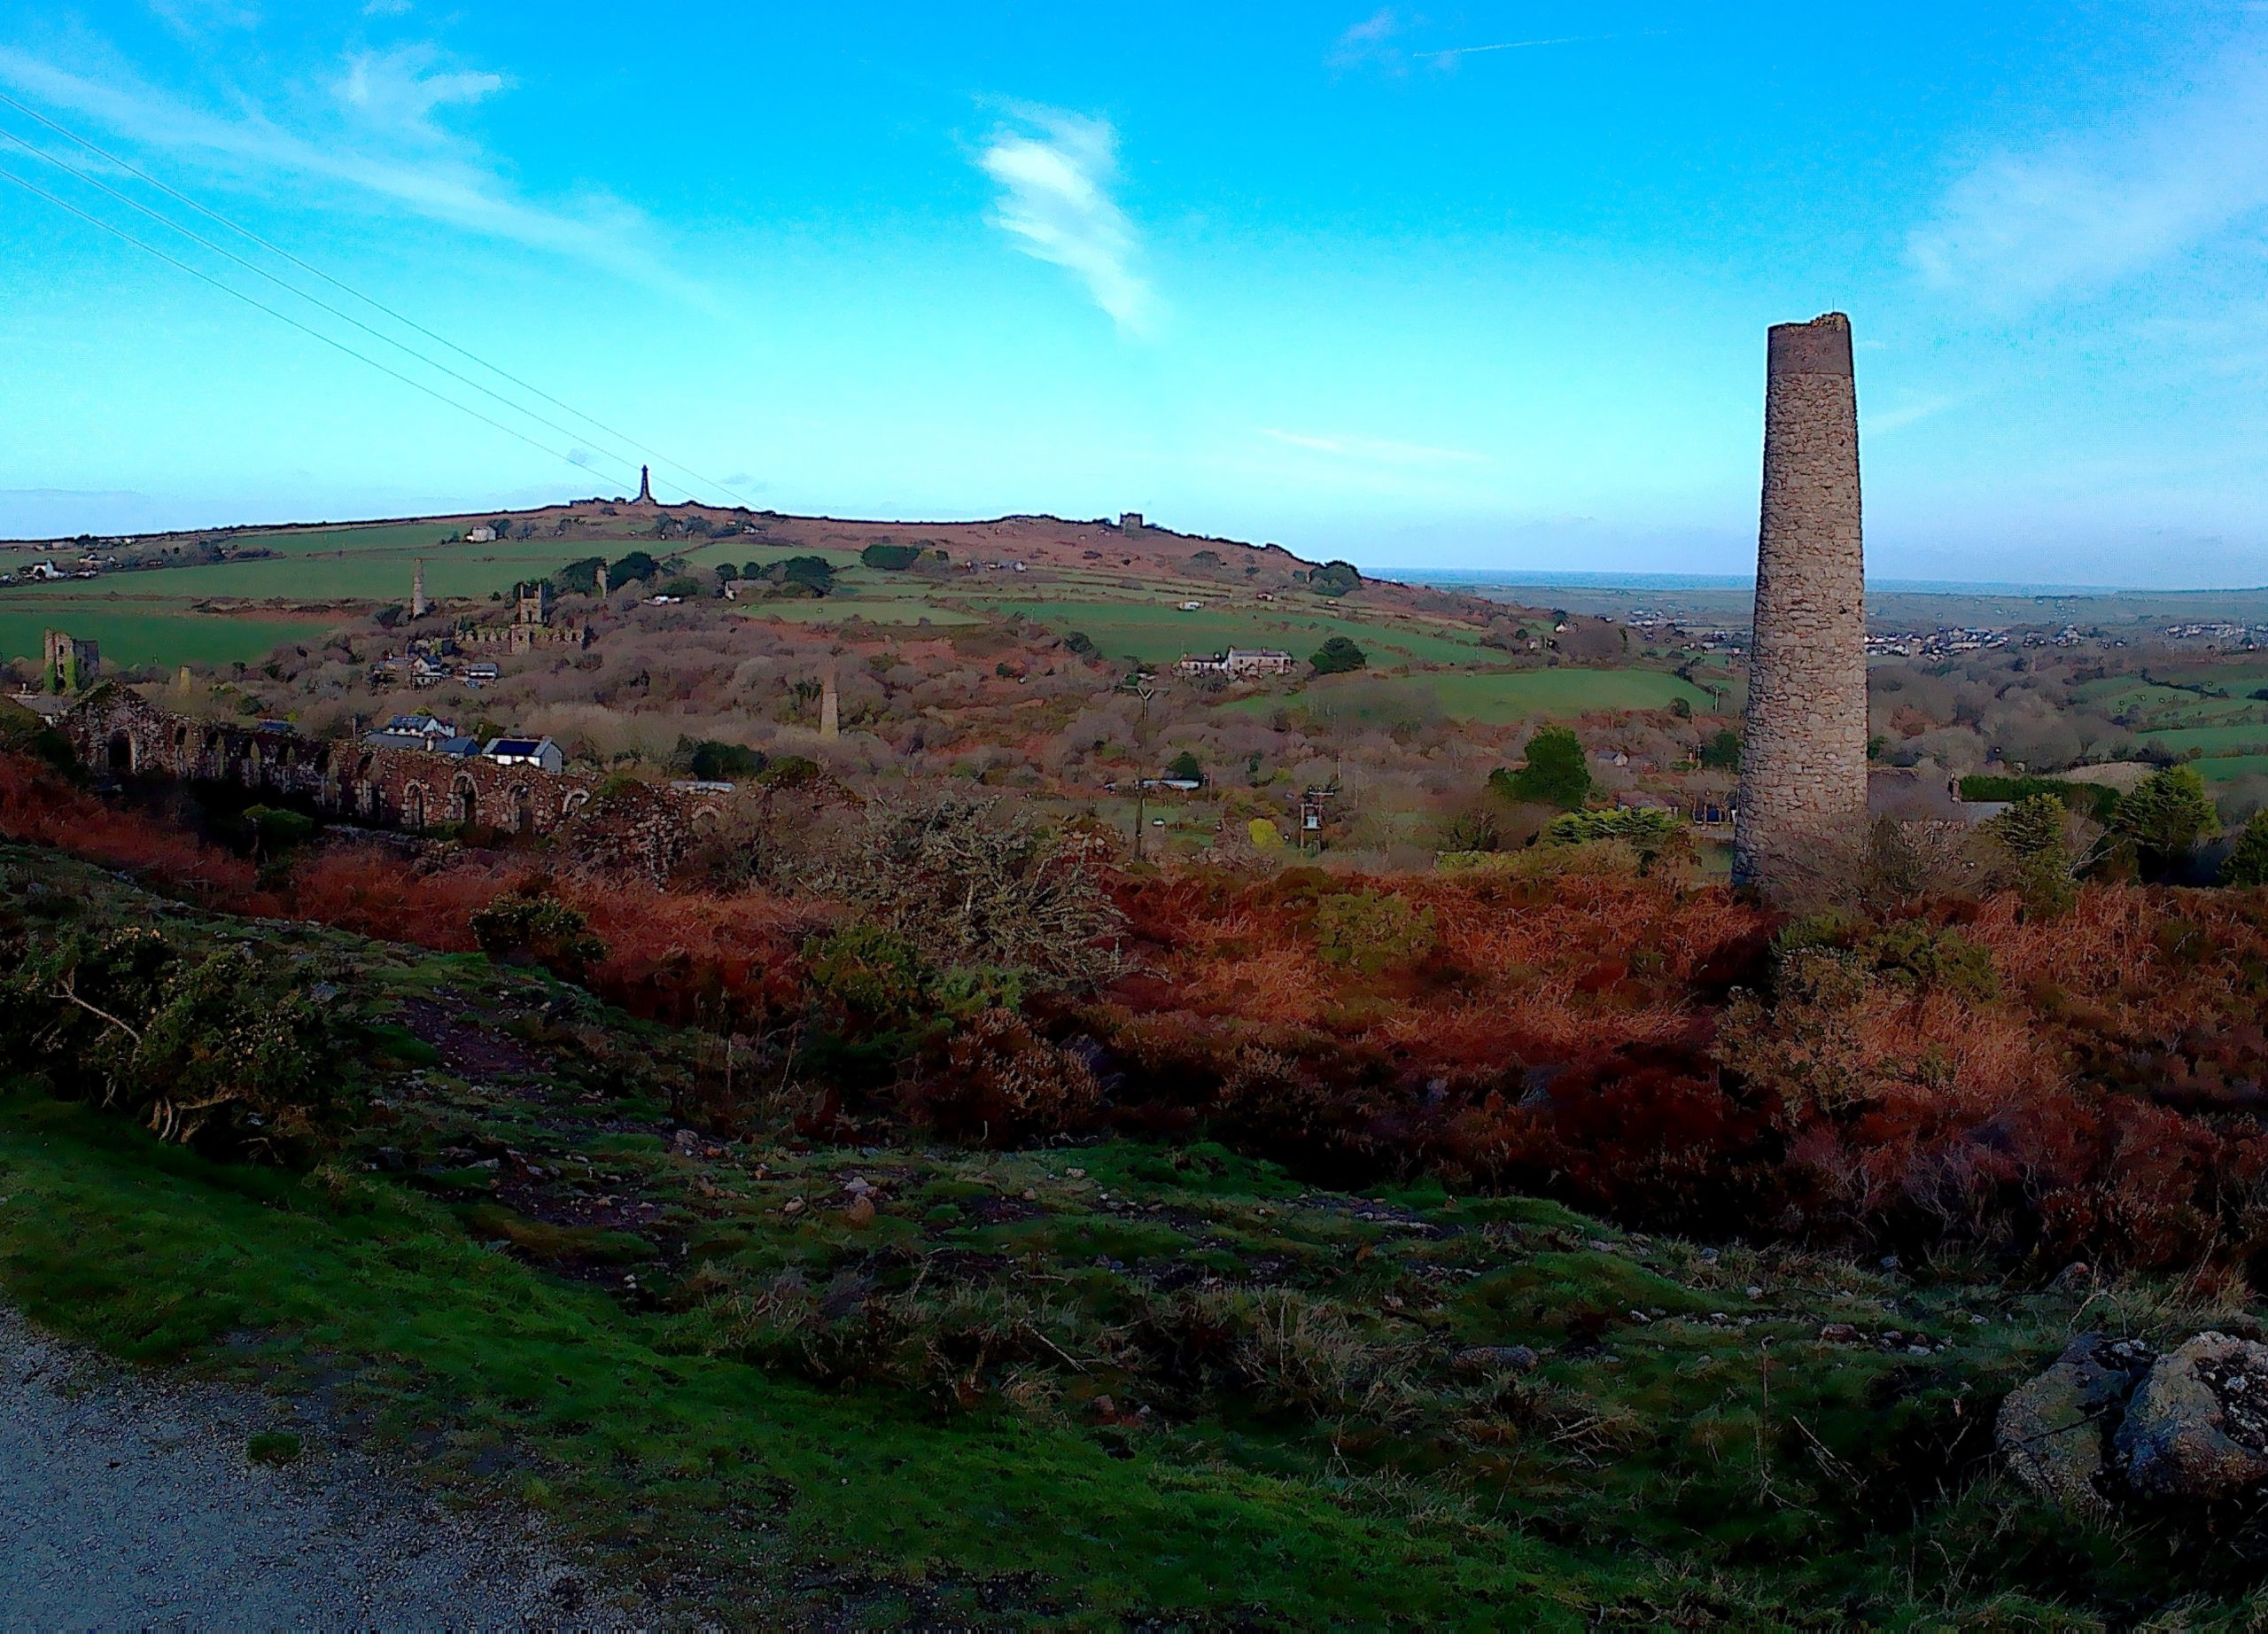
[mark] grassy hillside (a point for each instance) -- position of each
(1110, 1384)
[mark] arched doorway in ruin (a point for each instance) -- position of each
(413, 806)
(523, 808)
(466, 798)
(121, 753)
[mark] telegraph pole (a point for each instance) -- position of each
(1140, 684)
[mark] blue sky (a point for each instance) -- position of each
(1477, 286)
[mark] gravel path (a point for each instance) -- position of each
(128, 1501)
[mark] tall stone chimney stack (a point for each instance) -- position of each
(1804, 754)
(418, 606)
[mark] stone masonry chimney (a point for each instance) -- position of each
(1804, 752)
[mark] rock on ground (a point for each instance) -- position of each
(2054, 1430)
(129, 1501)
(2197, 1427)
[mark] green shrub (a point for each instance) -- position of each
(1335, 579)
(890, 558)
(1647, 830)
(1370, 932)
(275, 831)
(1920, 956)
(536, 929)
(226, 1051)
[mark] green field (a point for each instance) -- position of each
(1497, 699)
(2220, 740)
(161, 638)
(1160, 633)
(2228, 768)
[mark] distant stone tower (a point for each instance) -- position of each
(418, 606)
(71, 664)
(645, 484)
(1804, 754)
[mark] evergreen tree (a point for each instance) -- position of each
(2164, 817)
(1554, 773)
(2247, 863)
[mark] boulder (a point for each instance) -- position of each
(2053, 1429)
(2197, 1427)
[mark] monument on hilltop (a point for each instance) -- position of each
(646, 485)
(1804, 752)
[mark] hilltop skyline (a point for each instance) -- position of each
(1483, 290)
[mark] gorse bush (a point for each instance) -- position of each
(1368, 932)
(967, 882)
(218, 1050)
(532, 927)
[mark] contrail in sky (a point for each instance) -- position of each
(1454, 52)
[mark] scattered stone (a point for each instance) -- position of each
(1890, 1261)
(2188, 1434)
(1838, 1333)
(1755, 1292)
(1488, 1358)
(2074, 1278)
(860, 1211)
(1708, 1256)
(1077, 1174)
(794, 1205)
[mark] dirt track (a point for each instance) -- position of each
(126, 1501)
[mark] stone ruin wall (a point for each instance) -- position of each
(1804, 752)
(636, 825)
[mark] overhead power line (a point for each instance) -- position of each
(254, 267)
(338, 284)
(284, 317)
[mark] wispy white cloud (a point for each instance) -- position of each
(1056, 172)
(192, 18)
(1371, 450)
(1890, 420)
(1383, 40)
(2088, 207)
(381, 144)
(393, 93)
(1370, 43)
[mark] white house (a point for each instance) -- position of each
(482, 535)
(538, 751)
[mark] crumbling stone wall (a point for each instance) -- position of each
(1804, 753)
(644, 826)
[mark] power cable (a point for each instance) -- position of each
(206, 277)
(274, 249)
(259, 271)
